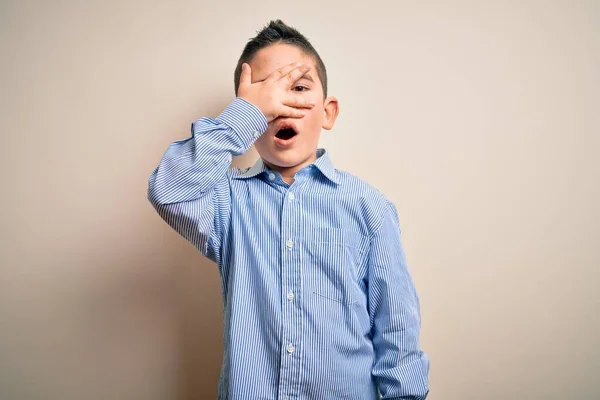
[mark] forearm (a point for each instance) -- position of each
(191, 168)
(401, 368)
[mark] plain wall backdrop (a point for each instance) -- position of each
(479, 119)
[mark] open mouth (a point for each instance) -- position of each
(286, 133)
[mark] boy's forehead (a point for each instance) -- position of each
(271, 58)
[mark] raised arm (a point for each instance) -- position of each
(190, 187)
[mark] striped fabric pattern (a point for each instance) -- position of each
(318, 300)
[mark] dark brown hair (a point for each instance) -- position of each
(278, 32)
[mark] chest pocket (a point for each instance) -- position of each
(332, 268)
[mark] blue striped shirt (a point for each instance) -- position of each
(318, 301)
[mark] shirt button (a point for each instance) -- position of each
(256, 134)
(290, 348)
(291, 196)
(271, 176)
(289, 244)
(290, 295)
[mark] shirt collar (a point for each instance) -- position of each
(323, 163)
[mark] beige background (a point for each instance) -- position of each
(479, 119)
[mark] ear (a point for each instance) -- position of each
(331, 109)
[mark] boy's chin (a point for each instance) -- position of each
(285, 159)
(282, 162)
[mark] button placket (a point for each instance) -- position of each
(291, 337)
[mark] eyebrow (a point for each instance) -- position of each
(308, 77)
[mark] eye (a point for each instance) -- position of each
(299, 88)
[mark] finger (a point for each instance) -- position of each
(246, 75)
(283, 71)
(298, 102)
(290, 112)
(294, 75)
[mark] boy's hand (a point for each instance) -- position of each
(273, 96)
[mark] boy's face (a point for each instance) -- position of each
(289, 156)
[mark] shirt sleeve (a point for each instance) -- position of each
(400, 369)
(190, 188)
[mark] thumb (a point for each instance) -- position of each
(246, 75)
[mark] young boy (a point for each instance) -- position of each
(318, 301)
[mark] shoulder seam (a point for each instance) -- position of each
(389, 206)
